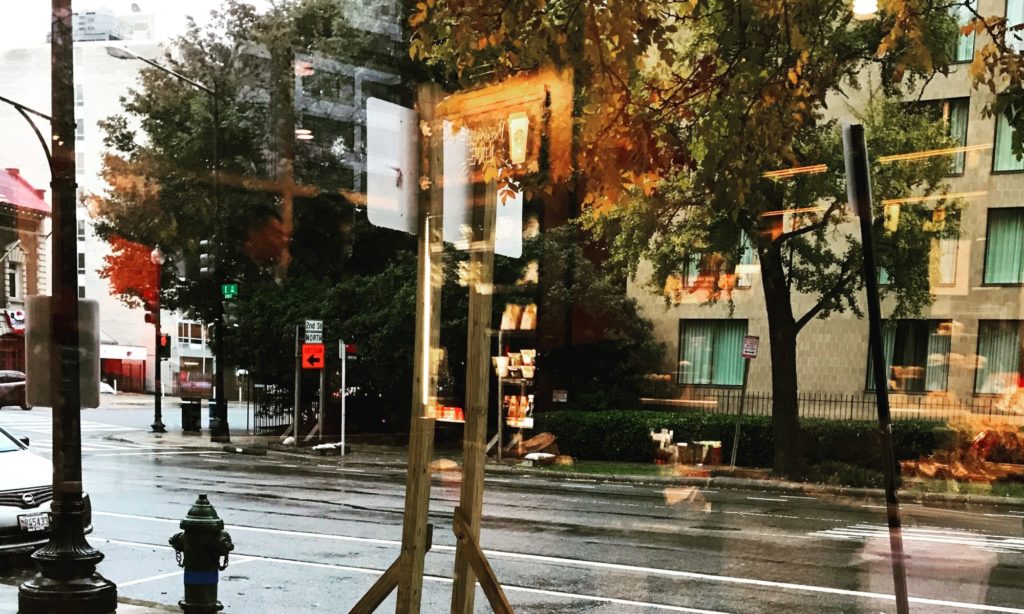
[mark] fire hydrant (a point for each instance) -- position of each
(199, 548)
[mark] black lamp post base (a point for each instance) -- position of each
(219, 430)
(158, 427)
(90, 595)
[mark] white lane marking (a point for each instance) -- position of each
(234, 562)
(443, 580)
(766, 499)
(983, 541)
(797, 497)
(617, 567)
(762, 514)
(879, 507)
(168, 453)
(580, 486)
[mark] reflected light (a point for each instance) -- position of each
(865, 9)
(799, 170)
(789, 211)
(921, 199)
(918, 155)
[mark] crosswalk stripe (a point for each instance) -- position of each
(992, 543)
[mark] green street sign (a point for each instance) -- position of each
(229, 291)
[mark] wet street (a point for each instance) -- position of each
(312, 534)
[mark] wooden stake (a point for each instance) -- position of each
(478, 365)
(472, 552)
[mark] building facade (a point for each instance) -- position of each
(964, 350)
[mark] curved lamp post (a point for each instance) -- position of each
(157, 257)
(219, 430)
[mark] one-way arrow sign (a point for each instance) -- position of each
(312, 356)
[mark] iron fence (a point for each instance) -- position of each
(272, 408)
(946, 407)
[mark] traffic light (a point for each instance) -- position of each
(163, 348)
(230, 313)
(151, 303)
(207, 259)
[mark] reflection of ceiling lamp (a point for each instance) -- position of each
(304, 134)
(518, 131)
(865, 9)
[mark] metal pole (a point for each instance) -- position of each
(859, 192)
(739, 414)
(320, 405)
(67, 580)
(344, 392)
(219, 429)
(158, 423)
(297, 395)
(501, 401)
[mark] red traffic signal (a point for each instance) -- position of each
(163, 348)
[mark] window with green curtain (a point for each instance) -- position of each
(963, 48)
(692, 271)
(945, 256)
(916, 355)
(998, 367)
(1004, 247)
(884, 279)
(1003, 158)
(709, 352)
(955, 112)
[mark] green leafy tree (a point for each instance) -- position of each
(683, 107)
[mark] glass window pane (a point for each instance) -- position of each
(999, 365)
(1004, 247)
(710, 352)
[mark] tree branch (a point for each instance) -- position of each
(826, 298)
(786, 236)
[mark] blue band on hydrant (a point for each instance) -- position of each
(201, 577)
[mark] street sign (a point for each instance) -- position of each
(314, 331)
(229, 291)
(392, 165)
(750, 346)
(312, 356)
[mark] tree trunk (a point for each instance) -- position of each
(782, 332)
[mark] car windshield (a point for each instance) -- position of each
(7, 443)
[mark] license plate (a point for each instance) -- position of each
(34, 522)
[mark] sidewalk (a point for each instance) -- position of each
(394, 457)
(9, 604)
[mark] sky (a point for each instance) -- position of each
(27, 22)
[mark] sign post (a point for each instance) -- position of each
(749, 353)
(343, 352)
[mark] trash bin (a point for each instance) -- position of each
(191, 416)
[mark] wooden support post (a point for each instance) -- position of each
(385, 584)
(470, 548)
(478, 366)
(424, 379)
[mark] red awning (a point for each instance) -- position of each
(17, 192)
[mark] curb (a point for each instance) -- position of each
(721, 482)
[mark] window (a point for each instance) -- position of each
(916, 355)
(1014, 17)
(1003, 158)
(998, 367)
(944, 252)
(79, 163)
(13, 280)
(1004, 247)
(81, 291)
(953, 114)
(963, 49)
(710, 352)
(81, 230)
(79, 129)
(190, 332)
(81, 263)
(79, 95)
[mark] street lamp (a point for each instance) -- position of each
(157, 257)
(219, 431)
(67, 580)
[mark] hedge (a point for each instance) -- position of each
(625, 436)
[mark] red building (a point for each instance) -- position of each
(23, 233)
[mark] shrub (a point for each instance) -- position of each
(625, 436)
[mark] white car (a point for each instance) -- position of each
(25, 494)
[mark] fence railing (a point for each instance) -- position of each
(272, 408)
(946, 407)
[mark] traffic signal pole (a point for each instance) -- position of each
(158, 422)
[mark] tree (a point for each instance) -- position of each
(129, 270)
(685, 108)
(160, 172)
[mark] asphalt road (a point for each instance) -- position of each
(312, 534)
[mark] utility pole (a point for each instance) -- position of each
(67, 580)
